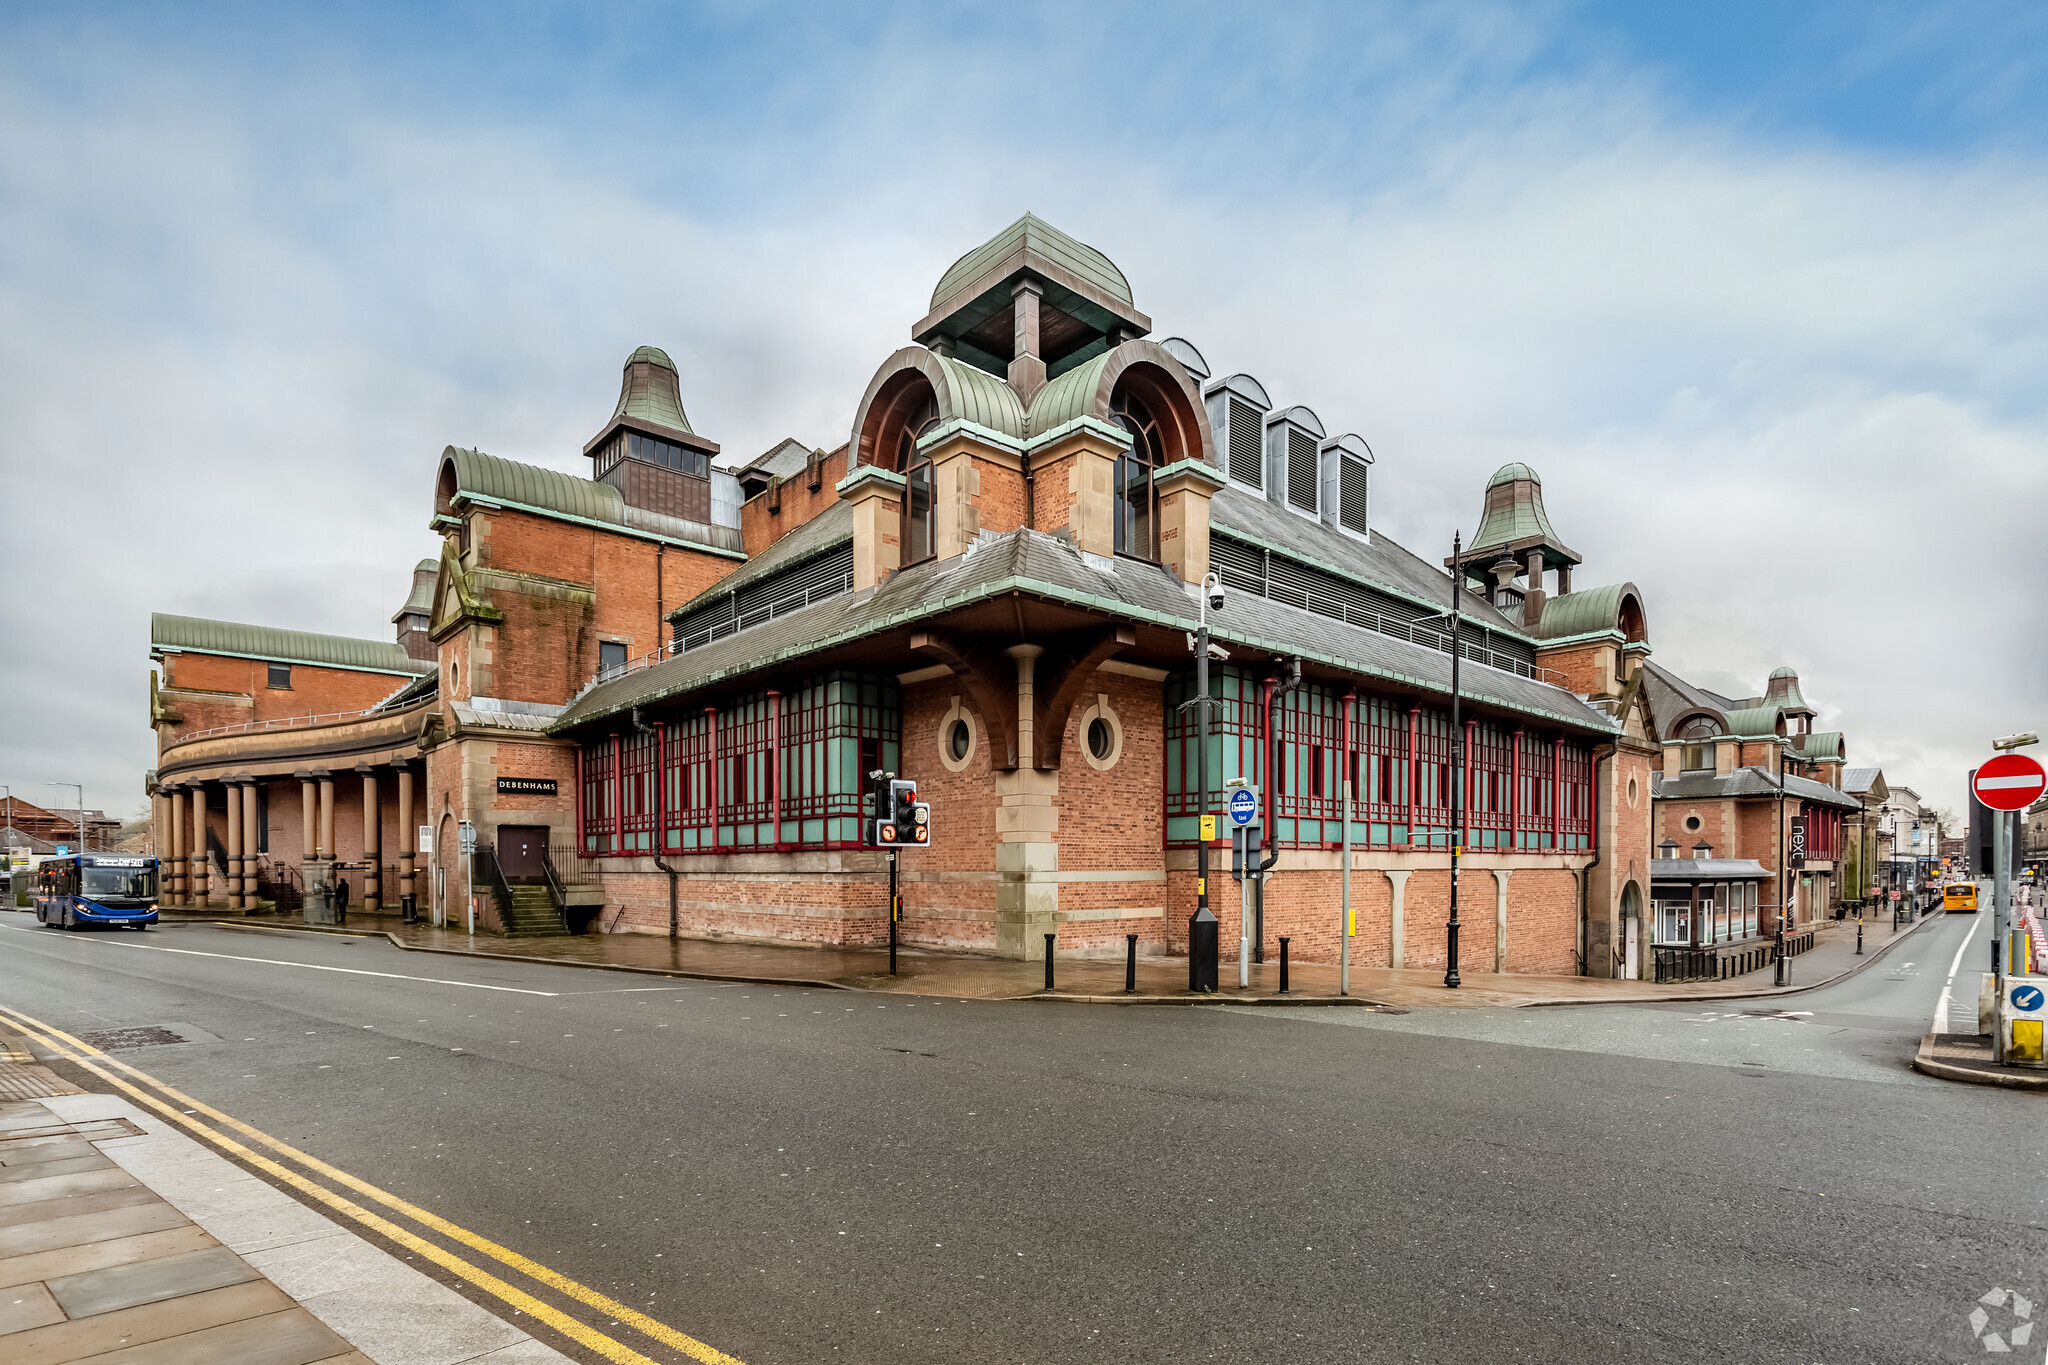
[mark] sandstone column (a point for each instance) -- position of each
(1500, 918)
(173, 842)
(372, 850)
(252, 845)
(198, 878)
(309, 816)
(405, 830)
(326, 779)
(1397, 948)
(1027, 833)
(234, 843)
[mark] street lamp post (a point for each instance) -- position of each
(83, 846)
(1451, 980)
(1202, 945)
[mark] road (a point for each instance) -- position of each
(796, 1175)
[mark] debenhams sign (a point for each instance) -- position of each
(526, 786)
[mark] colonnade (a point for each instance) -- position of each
(185, 872)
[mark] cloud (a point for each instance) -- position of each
(1790, 388)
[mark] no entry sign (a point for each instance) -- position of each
(2009, 782)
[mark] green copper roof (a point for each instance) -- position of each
(1585, 612)
(1033, 234)
(1787, 672)
(421, 598)
(1755, 722)
(651, 391)
(197, 635)
(1783, 688)
(975, 395)
(1822, 746)
(1514, 511)
(549, 492)
(1070, 396)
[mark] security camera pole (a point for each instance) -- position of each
(1201, 973)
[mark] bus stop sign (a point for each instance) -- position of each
(2009, 782)
(1244, 806)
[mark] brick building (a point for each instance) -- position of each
(656, 691)
(1736, 774)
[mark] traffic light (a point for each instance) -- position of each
(902, 820)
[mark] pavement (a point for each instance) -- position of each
(1159, 980)
(791, 1173)
(124, 1242)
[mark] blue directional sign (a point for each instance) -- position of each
(2027, 998)
(1244, 806)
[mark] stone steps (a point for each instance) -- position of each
(532, 914)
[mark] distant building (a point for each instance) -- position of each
(25, 825)
(1737, 771)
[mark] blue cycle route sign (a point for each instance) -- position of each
(1244, 806)
(2027, 998)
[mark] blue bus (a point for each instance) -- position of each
(96, 888)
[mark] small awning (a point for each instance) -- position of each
(1707, 870)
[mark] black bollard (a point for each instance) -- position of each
(1130, 964)
(1859, 938)
(1283, 964)
(1048, 960)
(1202, 950)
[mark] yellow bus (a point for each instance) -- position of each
(1959, 898)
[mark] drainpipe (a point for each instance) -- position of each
(1600, 755)
(1272, 689)
(1030, 495)
(660, 733)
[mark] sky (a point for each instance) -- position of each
(1761, 290)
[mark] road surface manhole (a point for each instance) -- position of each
(121, 1039)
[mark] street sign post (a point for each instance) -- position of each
(1244, 807)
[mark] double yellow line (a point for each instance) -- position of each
(100, 1064)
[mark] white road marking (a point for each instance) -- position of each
(307, 966)
(1942, 1006)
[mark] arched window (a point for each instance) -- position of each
(919, 532)
(1136, 504)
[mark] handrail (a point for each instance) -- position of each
(281, 723)
(493, 876)
(556, 893)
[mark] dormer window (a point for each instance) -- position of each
(1293, 462)
(1136, 504)
(1237, 408)
(919, 538)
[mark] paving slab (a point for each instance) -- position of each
(71, 1205)
(368, 1306)
(93, 1337)
(27, 1305)
(43, 1265)
(169, 1277)
(63, 1184)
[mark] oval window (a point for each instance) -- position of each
(1101, 740)
(959, 739)
(1692, 822)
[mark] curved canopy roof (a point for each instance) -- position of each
(1508, 473)
(197, 635)
(1584, 612)
(551, 493)
(1754, 722)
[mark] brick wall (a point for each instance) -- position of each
(760, 527)
(246, 694)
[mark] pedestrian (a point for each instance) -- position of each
(341, 900)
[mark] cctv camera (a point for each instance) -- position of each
(1214, 587)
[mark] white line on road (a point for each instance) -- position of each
(308, 966)
(1941, 1006)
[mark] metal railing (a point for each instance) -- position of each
(281, 723)
(571, 865)
(486, 871)
(556, 892)
(1395, 627)
(1677, 962)
(746, 620)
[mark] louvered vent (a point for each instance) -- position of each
(1301, 470)
(1244, 444)
(1351, 490)
(789, 589)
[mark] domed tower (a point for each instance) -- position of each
(648, 450)
(1515, 540)
(1782, 691)
(1030, 304)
